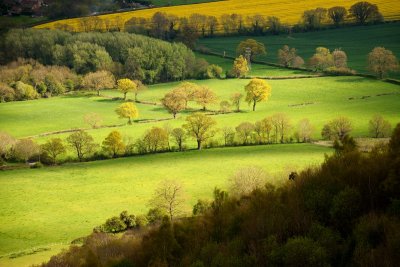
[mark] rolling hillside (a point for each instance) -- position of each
(289, 12)
(357, 42)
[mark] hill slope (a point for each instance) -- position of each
(357, 42)
(289, 11)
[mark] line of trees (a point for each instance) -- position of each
(187, 29)
(344, 212)
(380, 61)
(277, 128)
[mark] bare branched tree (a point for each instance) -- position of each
(169, 197)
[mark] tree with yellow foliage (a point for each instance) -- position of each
(256, 91)
(240, 67)
(98, 80)
(125, 86)
(200, 127)
(127, 110)
(174, 102)
(113, 144)
(205, 96)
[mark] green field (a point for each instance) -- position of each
(256, 69)
(329, 95)
(49, 207)
(58, 204)
(357, 42)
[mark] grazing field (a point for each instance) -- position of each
(289, 12)
(357, 42)
(58, 204)
(327, 98)
(256, 69)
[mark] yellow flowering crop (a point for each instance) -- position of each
(288, 11)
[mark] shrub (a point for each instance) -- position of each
(114, 225)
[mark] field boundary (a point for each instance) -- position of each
(316, 75)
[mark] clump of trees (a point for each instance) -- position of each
(318, 217)
(124, 55)
(28, 79)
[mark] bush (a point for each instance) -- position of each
(214, 71)
(339, 71)
(114, 225)
(154, 215)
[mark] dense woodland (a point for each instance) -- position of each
(125, 55)
(342, 213)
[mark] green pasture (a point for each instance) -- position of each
(327, 98)
(256, 69)
(357, 42)
(54, 205)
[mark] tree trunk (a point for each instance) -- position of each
(98, 92)
(254, 105)
(129, 121)
(198, 144)
(124, 96)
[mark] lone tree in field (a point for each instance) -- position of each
(125, 86)
(205, 96)
(179, 136)
(174, 102)
(379, 127)
(114, 144)
(236, 98)
(82, 143)
(24, 149)
(54, 148)
(246, 180)
(140, 87)
(169, 198)
(128, 111)
(187, 90)
(256, 48)
(364, 12)
(200, 127)
(256, 91)
(240, 67)
(93, 119)
(337, 14)
(98, 80)
(382, 61)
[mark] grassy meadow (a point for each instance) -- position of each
(357, 42)
(288, 12)
(329, 97)
(55, 205)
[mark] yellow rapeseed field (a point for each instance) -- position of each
(289, 11)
